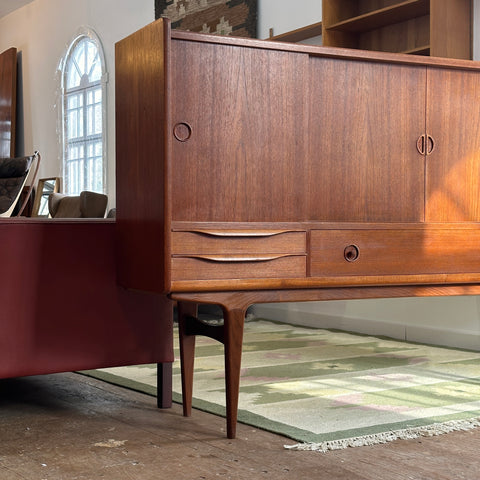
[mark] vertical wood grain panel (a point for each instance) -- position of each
(141, 157)
(363, 163)
(453, 168)
(334, 11)
(451, 28)
(247, 110)
(8, 101)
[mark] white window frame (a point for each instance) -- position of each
(82, 91)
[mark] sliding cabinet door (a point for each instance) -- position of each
(239, 139)
(365, 119)
(453, 167)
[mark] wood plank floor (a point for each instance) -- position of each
(67, 426)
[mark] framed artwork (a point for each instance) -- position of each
(46, 186)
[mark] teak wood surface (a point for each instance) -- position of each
(440, 28)
(8, 102)
(252, 171)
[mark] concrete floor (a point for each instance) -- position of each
(67, 426)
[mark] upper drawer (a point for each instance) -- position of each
(238, 242)
(394, 251)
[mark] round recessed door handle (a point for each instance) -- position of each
(182, 131)
(425, 144)
(430, 144)
(351, 253)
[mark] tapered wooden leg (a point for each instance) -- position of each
(230, 334)
(187, 353)
(233, 339)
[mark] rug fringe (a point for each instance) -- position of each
(384, 437)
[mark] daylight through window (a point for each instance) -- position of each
(83, 117)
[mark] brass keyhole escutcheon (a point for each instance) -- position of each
(182, 131)
(351, 253)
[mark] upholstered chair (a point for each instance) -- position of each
(86, 205)
(13, 177)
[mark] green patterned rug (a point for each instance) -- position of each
(330, 389)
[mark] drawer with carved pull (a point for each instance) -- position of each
(238, 254)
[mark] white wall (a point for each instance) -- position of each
(41, 31)
(285, 15)
(452, 321)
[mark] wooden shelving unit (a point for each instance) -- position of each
(441, 28)
(383, 17)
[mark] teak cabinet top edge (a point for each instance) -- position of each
(331, 52)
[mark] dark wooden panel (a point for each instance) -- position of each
(394, 252)
(244, 160)
(8, 101)
(364, 123)
(141, 152)
(453, 168)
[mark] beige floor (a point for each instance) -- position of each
(67, 426)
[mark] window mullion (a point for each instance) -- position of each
(85, 145)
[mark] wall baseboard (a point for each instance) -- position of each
(413, 333)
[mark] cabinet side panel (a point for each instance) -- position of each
(140, 98)
(240, 118)
(365, 121)
(8, 101)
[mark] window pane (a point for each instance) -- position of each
(93, 67)
(74, 116)
(83, 62)
(79, 56)
(75, 169)
(73, 76)
(94, 111)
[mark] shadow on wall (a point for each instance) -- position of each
(20, 120)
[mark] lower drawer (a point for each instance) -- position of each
(212, 267)
(394, 252)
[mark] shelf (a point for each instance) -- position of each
(420, 27)
(383, 17)
(300, 34)
(422, 50)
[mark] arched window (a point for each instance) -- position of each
(83, 101)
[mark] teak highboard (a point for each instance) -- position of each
(251, 171)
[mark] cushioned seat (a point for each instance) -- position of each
(85, 205)
(13, 175)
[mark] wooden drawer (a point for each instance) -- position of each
(394, 251)
(212, 267)
(202, 242)
(238, 254)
